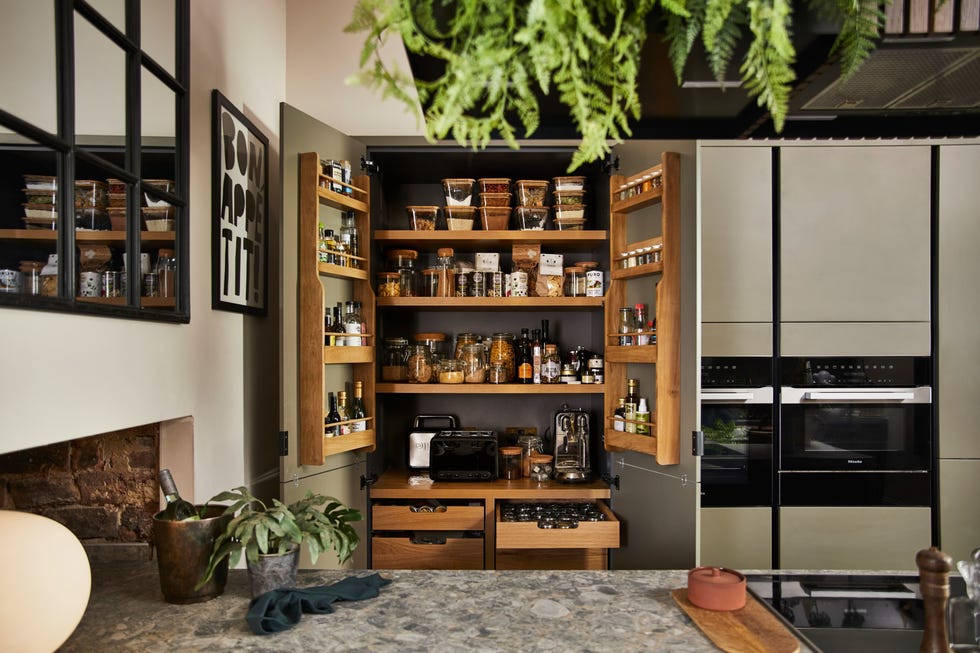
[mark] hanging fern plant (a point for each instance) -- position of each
(500, 56)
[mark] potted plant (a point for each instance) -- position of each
(271, 535)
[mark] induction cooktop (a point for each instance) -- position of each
(845, 613)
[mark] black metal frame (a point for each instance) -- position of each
(67, 152)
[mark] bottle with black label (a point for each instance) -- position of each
(333, 416)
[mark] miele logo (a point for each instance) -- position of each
(855, 462)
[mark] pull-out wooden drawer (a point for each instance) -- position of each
(403, 553)
(403, 518)
(586, 535)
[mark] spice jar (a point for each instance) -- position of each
(394, 361)
(419, 364)
(402, 261)
(502, 351)
(388, 285)
(446, 272)
(575, 281)
(510, 463)
(451, 370)
(474, 369)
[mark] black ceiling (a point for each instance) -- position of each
(672, 112)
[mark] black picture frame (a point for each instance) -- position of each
(240, 211)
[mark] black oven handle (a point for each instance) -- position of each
(920, 395)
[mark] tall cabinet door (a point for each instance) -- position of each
(854, 241)
(339, 475)
(736, 250)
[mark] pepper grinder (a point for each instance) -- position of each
(934, 567)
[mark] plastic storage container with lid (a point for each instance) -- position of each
(532, 192)
(458, 192)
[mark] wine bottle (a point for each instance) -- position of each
(333, 416)
(525, 362)
(632, 404)
(357, 408)
(619, 415)
(177, 509)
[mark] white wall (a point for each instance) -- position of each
(70, 376)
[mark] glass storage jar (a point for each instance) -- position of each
(474, 369)
(540, 467)
(463, 339)
(403, 262)
(435, 342)
(388, 284)
(451, 370)
(502, 351)
(430, 283)
(510, 463)
(446, 272)
(394, 361)
(497, 372)
(575, 281)
(420, 367)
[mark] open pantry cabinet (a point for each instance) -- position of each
(405, 175)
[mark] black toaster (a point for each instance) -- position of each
(463, 455)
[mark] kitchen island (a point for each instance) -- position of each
(418, 611)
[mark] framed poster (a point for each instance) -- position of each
(240, 204)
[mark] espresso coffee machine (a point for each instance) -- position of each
(571, 445)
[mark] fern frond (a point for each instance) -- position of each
(767, 70)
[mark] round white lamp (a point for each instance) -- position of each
(46, 580)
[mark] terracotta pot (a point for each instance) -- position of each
(273, 571)
(716, 588)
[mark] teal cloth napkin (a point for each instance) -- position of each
(282, 609)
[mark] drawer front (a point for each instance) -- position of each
(401, 518)
(402, 553)
(549, 559)
(527, 535)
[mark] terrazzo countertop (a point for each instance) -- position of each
(419, 611)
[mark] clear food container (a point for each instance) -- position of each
(563, 197)
(91, 218)
(570, 224)
(458, 192)
(573, 211)
(494, 185)
(531, 192)
(531, 218)
(394, 362)
(158, 218)
(42, 197)
(41, 182)
(510, 463)
(495, 199)
(451, 370)
(569, 183)
(89, 192)
(422, 218)
(403, 261)
(495, 218)
(419, 364)
(459, 218)
(388, 285)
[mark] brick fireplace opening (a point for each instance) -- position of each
(103, 488)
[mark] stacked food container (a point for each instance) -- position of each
(569, 195)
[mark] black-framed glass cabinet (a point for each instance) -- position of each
(94, 139)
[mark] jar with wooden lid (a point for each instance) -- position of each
(510, 463)
(403, 261)
(446, 272)
(430, 283)
(575, 281)
(437, 346)
(502, 351)
(388, 285)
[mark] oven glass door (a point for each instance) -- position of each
(855, 430)
(736, 468)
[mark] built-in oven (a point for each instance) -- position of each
(869, 418)
(737, 423)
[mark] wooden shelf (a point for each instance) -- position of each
(341, 272)
(41, 236)
(473, 241)
(489, 303)
(638, 271)
(335, 355)
(340, 201)
(395, 485)
(631, 354)
(360, 441)
(623, 441)
(490, 388)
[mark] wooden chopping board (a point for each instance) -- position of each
(753, 629)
